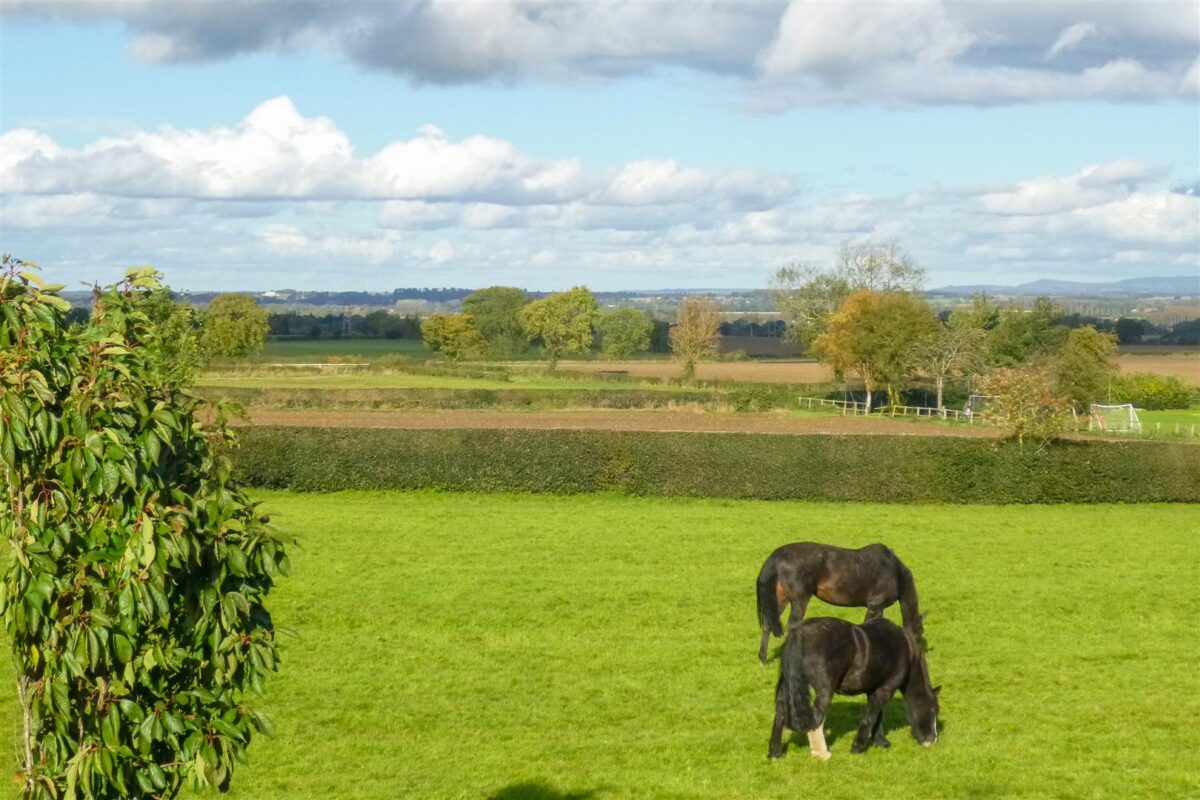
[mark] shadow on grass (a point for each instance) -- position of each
(843, 720)
(539, 790)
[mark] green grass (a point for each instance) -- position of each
(1171, 418)
(306, 349)
(537, 647)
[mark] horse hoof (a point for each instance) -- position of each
(822, 756)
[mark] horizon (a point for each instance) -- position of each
(547, 145)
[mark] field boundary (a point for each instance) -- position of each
(898, 469)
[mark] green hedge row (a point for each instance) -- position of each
(817, 467)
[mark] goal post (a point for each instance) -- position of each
(1121, 418)
(976, 404)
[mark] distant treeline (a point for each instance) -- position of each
(386, 325)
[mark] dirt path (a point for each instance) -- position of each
(616, 420)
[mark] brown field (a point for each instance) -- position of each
(1185, 366)
(1182, 365)
(781, 423)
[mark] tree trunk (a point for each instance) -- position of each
(868, 385)
(941, 380)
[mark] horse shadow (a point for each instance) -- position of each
(539, 790)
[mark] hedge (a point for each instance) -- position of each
(817, 467)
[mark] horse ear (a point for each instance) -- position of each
(937, 690)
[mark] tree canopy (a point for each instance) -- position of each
(234, 326)
(873, 336)
(453, 335)
(624, 331)
(563, 322)
(496, 312)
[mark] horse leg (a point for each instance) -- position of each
(879, 738)
(799, 606)
(816, 735)
(874, 611)
(871, 720)
(781, 600)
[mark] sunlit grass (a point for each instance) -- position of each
(460, 645)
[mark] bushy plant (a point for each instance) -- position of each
(135, 596)
(1150, 391)
(1025, 404)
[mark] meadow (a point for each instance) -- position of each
(532, 647)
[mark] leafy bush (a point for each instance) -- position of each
(134, 597)
(900, 469)
(1150, 391)
(1025, 403)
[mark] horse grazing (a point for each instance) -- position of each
(831, 655)
(871, 576)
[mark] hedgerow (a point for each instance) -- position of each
(900, 469)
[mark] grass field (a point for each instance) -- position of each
(399, 379)
(305, 349)
(545, 648)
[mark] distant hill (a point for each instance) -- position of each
(1168, 286)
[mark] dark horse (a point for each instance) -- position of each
(871, 576)
(831, 655)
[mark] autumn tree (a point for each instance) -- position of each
(807, 295)
(496, 312)
(563, 322)
(234, 326)
(1084, 366)
(453, 335)
(624, 331)
(873, 336)
(695, 334)
(1025, 404)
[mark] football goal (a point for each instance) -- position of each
(977, 404)
(1118, 419)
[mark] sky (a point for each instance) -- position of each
(620, 145)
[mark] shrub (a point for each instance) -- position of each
(900, 469)
(134, 597)
(1150, 391)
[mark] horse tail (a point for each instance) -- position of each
(910, 608)
(794, 684)
(768, 601)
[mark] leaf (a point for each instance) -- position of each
(111, 477)
(123, 647)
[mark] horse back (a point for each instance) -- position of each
(854, 659)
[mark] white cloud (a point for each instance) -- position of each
(804, 52)
(1071, 37)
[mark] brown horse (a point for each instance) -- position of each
(871, 576)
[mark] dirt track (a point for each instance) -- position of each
(616, 420)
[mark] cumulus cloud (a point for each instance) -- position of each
(802, 52)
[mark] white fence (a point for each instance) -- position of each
(855, 407)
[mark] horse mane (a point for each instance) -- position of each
(917, 665)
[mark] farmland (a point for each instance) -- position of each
(528, 646)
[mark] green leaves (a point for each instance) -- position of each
(135, 554)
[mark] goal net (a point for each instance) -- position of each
(1120, 419)
(977, 404)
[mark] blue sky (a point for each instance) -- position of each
(996, 147)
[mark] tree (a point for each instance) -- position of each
(181, 332)
(1024, 403)
(135, 597)
(624, 331)
(563, 321)
(807, 295)
(234, 326)
(695, 334)
(1020, 335)
(949, 350)
(873, 336)
(453, 335)
(982, 314)
(1129, 331)
(496, 311)
(1084, 367)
